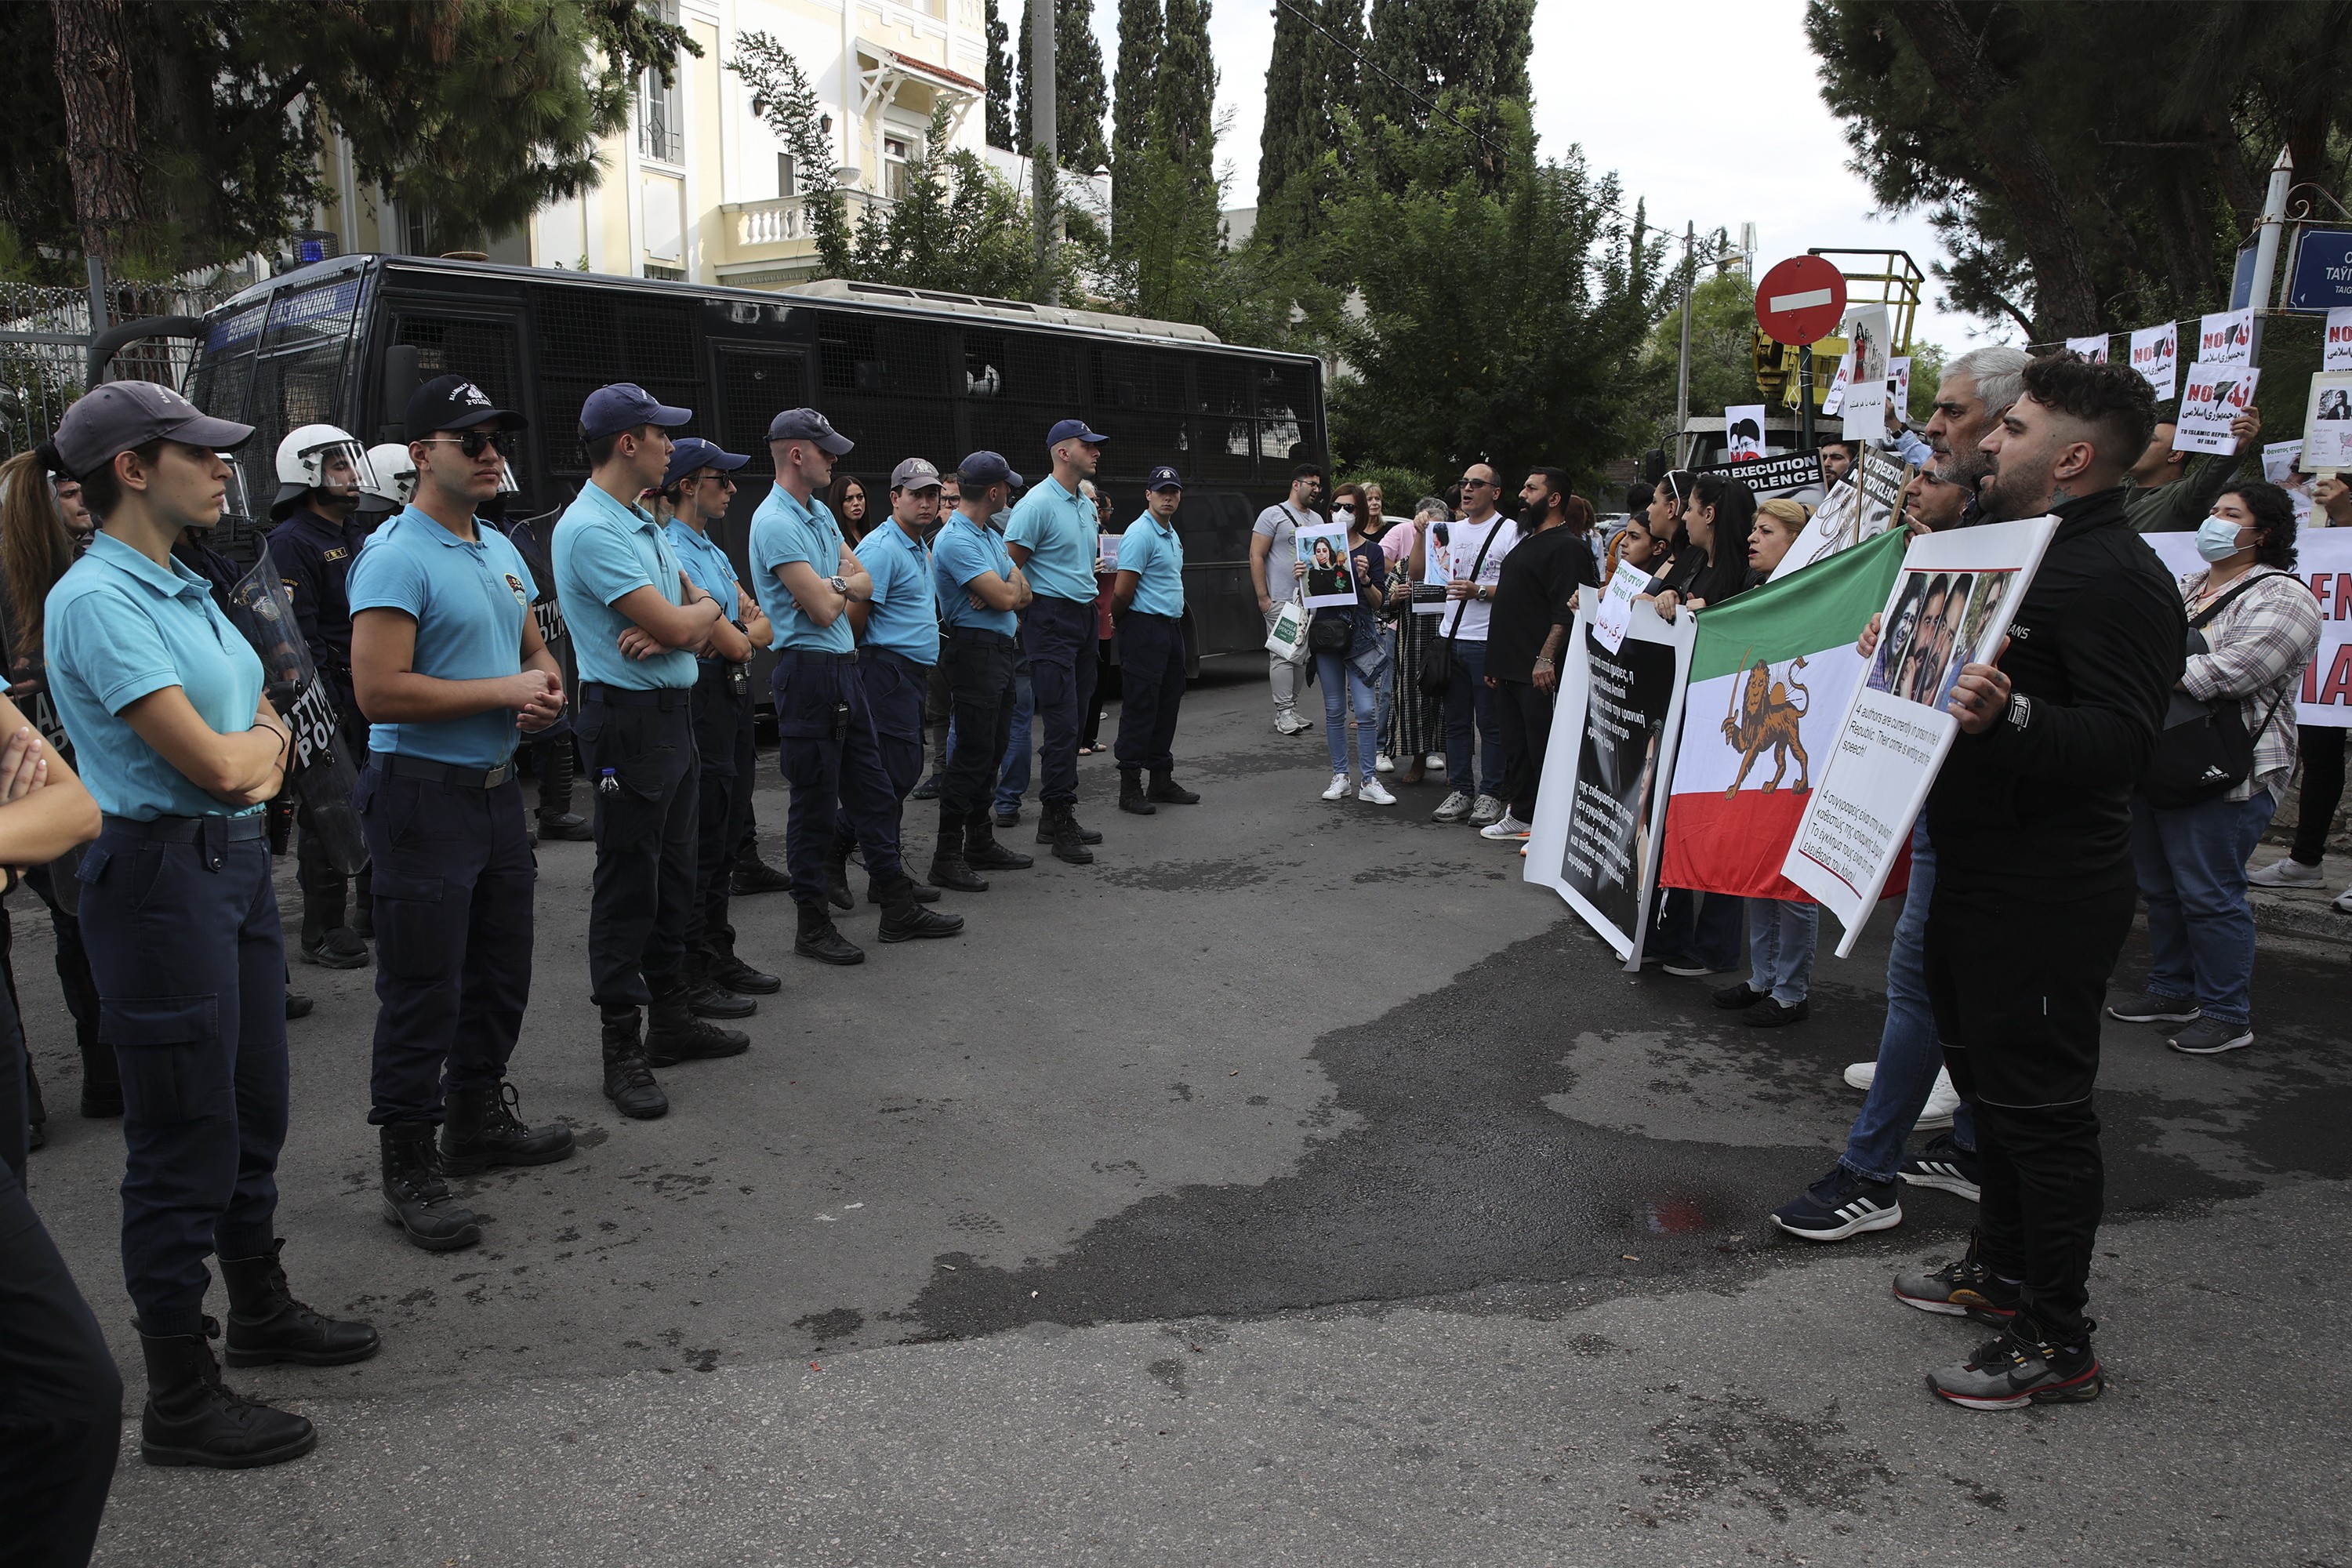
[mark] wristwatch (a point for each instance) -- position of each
(840, 585)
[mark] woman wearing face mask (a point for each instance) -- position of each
(1351, 676)
(1416, 737)
(2322, 747)
(2253, 626)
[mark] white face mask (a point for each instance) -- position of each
(2217, 538)
(1344, 516)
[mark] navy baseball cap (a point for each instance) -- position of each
(625, 405)
(121, 415)
(694, 453)
(985, 469)
(453, 403)
(808, 425)
(1164, 478)
(1070, 430)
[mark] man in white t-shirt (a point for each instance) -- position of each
(1274, 572)
(1475, 546)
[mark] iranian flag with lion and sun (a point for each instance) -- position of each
(1771, 675)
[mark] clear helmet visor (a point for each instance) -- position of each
(507, 486)
(340, 468)
(234, 501)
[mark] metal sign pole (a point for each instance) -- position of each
(1805, 397)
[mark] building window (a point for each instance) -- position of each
(661, 121)
(787, 178)
(894, 167)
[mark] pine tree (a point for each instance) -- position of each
(1130, 126)
(1000, 82)
(1081, 96)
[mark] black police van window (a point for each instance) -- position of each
(587, 338)
(850, 351)
(485, 353)
(1137, 378)
(1220, 386)
(754, 385)
(297, 374)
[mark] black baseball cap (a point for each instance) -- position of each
(985, 469)
(808, 425)
(453, 403)
(121, 415)
(1164, 478)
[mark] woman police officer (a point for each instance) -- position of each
(162, 697)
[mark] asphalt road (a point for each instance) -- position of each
(1292, 1185)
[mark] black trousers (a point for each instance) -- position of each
(834, 763)
(61, 1396)
(184, 944)
(73, 961)
(1152, 683)
(2323, 791)
(639, 749)
(1525, 714)
(979, 689)
(453, 883)
(1060, 636)
(2017, 980)
(726, 755)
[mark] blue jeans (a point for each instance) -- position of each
(1340, 682)
(2191, 864)
(1013, 773)
(1909, 1053)
(1781, 937)
(1468, 698)
(1687, 929)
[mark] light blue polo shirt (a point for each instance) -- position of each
(603, 552)
(468, 599)
(905, 618)
(1059, 529)
(121, 627)
(783, 532)
(963, 553)
(1152, 551)
(705, 560)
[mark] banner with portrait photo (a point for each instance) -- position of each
(1743, 432)
(1864, 409)
(1950, 605)
(1601, 806)
(1330, 577)
(2327, 424)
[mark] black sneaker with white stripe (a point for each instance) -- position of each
(1840, 1204)
(1944, 1164)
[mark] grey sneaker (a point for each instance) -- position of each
(1964, 1287)
(1454, 808)
(2211, 1036)
(2019, 1369)
(2148, 1007)
(1487, 811)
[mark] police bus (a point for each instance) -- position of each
(902, 372)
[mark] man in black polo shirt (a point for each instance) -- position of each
(1534, 607)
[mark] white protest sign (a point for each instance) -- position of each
(2335, 350)
(2323, 560)
(1743, 432)
(1330, 579)
(2092, 349)
(2211, 396)
(1435, 568)
(2327, 424)
(1827, 532)
(1617, 604)
(1864, 409)
(1898, 385)
(2226, 337)
(1951, 606)
(2154, 353)
(2279, 458)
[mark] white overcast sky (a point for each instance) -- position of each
(1708, 108)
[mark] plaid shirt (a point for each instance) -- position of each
(2261, 644)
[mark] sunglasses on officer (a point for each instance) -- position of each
(477, 441)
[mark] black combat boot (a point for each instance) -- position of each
(416, 1198)
(193, 1418)
(482, 1127)
(267, 1324)
(1168, 792)
(628, 1080)
(924, 892)
(1047, 815)
(904, 920)
(949, 869)
(101, 1075)
(819, 939)
(705, 997)
(556, 817)
(1130, 792)
(362, 921)
(326, 941)
(674, 1035)
(752, 875)
(731, 972)
(836, 872)
(981, 852)
(1058, 826)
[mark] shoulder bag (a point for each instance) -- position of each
(1437, 664)
(2205, 751)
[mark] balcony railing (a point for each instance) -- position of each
(784, 219)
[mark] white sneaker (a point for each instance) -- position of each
(1384, 763)
(2286, 871)
(1488, 809)
(1435, 762)
(1288, 721)
(1338, 790)
(1862, 1075)
(2342, 902)
(1942, 1100)
(1372, 792)
(1454, 808)
(1505, 826)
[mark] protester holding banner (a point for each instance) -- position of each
(1535, 605)
(1348, 659)
(2321, 746)
(2253, 626)
(2172, 491)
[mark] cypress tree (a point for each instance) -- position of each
(1473, 51)
(1000, 82)
(1081, 96)
(1286, 146)
(1130, 126)
(1311, 78)
(1184, 108)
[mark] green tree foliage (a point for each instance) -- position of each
(782, 96)
(1139, 29)
(1081, 96)
(1310, 86)
(1505, 304)
(2076, 198)
(1000, 82)
(960, 226)
(475, 113)
(1473, 53)
(1723, 353)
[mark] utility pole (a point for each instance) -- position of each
(1682, 373)
(1044, 153)
(2266, 247)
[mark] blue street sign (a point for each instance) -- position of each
(2241, 283)
(2321, 278)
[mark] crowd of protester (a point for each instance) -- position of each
(941, 617)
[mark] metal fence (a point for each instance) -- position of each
(45, 335)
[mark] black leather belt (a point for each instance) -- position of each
(431, 772)
(188, 830)
(980, 635)
(1153, 615)
(893, 654)
(633, 696)
(814, 656)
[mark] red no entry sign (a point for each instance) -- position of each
(1800, 300)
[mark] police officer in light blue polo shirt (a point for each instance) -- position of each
(1148, 600)
(161, 696)
(696, 489)
(637, 623)
(980, 594)
(806, 579)
(1051, 538)
(447, 664)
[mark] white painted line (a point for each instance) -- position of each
(1810, 297)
